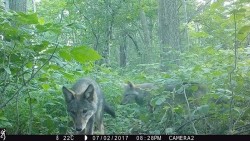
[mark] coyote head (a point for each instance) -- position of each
(80, 105)
(136, 93)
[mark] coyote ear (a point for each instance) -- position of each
(68, 94)
(130, 84)
(89, 93)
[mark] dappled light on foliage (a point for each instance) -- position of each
(167, 67)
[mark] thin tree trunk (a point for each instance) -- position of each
(16, 5)
(186, 20)
(34, 5)
(146, 38)
(123, 51)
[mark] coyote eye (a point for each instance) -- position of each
(84, 111)
(127, 95)
(73, 113)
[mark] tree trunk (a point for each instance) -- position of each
(34, 5)
(146, 38)
(168, 33)
(16, 5)
(123, 51)
(109, 25)
(186, 22)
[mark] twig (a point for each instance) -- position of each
(189, 113)
(192, 121)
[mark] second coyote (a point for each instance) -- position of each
(137, 93)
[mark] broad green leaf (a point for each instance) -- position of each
(211, 50)
(29, 65)
(215, 5)
(41, 21)
(242, 33)
(199, 34)
(43, 78)
(27, 18)
(45, 86)
(143, 117)
(69, 76)
(49, 27)
(41, 46)
(9, 32)
(178, 109)
(84, 54)
(4, 122)
(31, 100)
(54, 67)
(65, 54)
(238, 11)
(3, 118)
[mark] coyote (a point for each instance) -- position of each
(137, 93)
(140, 93)
(86, 105)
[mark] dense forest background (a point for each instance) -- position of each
(47, 44)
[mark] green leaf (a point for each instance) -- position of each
(84, 54)
(199, 34)
(4, 122)
(238, 11)
(54, 67)
(45, 86)
(43, 78)
(69, 76)
(41, 46)
(194, 88)
(29, 65)
(31, 100)
(49, 27)
(143, 117)
(242, 33)
(27, 18)
(197, 68)
(65, 54)
(3, 118)
(178, 109)
(215, 5)
(238, 110)
(41, 21)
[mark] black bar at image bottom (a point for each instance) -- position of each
(124, 137)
